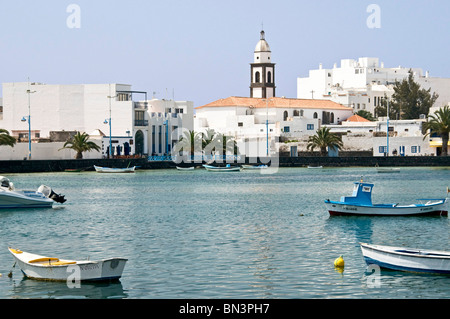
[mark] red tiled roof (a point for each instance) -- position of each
(276, 102)
(357, 118)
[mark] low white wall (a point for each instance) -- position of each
(43, 151)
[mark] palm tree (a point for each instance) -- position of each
(6, 139)
(324, 139)
(439, 123)
(190, 142)
(79, 143)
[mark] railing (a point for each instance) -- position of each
(140, 122)
(196, 158)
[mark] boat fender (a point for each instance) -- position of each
(339, 262)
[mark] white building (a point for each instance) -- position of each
(259, 121)
(405, 136)
(136, 127)
(363, 84)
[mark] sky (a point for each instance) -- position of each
(201, 50)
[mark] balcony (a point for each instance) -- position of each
(141, 123)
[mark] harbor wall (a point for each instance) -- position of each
(27, 166)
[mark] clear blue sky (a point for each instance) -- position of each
(201, 49)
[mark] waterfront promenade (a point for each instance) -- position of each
(26, 166)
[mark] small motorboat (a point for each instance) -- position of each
(101, 169)
(190, 168)
(255, 166)
(314, 166)
(360, 203)
(407, 259)
(52, 268)
(227, 168)
(10, 197)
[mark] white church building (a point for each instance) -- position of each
(258, 122)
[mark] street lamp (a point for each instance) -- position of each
(267, 127)
(109, 121)
(28, 118)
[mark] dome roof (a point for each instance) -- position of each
(262, 45)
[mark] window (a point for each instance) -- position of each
(382, 149)
(285, 115)
(415, 149)
(286, 129)
(240, 124)
(296, 113)
(315, 115)
(310, 127)
(257, 77)
(269, 77)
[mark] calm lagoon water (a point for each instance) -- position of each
(224, 235)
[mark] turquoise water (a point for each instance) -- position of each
(224, 235)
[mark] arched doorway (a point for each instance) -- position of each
(139, 143)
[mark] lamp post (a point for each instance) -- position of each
(109, 121)
(267, 127)
(28, 118)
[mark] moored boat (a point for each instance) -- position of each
(360, 203)
(10, 197)
(406, 259)
(189, 168)
(227, 168)
(255, 166)
(101, 169)
(52, 268)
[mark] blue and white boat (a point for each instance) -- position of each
(10, 197)
(360, 203)
(407, 259)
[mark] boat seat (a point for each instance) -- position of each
(16, 251)
(51, 262)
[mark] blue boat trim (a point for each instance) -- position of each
(370, 261)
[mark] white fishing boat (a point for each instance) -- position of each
(10, 197)
(101, 169)
(407, 259)
(314, 167)
(227, 168)
(360, 203)
(254, 166)
(52, 268)
(190, 168)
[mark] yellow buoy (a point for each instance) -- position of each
(339, 262)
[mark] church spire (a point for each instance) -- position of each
(262, 71)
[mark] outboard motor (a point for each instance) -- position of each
(48, 192)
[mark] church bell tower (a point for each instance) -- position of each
(262, 83)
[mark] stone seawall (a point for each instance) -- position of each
(26, 166)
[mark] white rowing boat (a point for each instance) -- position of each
(52, 268)
(407, 259)
(101, 169)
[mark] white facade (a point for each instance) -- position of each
(362, 84)
(405, 137)
(90, 107)
(245, 120)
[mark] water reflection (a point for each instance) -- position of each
(29, 288)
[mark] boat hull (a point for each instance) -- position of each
(100, 169)
(406, 259)
(222, 169)
(342, 209)
(63, 270)
(24, 199)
